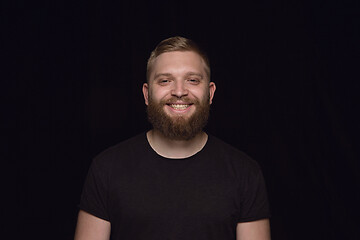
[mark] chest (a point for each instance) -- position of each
(187, 196)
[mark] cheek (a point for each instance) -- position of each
(202, 94)
(158, 94)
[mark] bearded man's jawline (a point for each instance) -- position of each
(178, 128)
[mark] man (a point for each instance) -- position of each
(175, 181)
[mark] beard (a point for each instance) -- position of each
(178, 127)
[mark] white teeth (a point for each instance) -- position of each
(179, 106)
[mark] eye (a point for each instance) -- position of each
(194, 81)
(163, 81)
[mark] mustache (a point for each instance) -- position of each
(175, 99)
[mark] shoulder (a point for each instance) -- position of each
(231, 155)
(121, 152)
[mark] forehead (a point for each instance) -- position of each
(178, 62)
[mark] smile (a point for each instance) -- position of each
(179, 106)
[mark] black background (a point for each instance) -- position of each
(287, 84)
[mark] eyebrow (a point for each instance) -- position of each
(162, 75)
(194, 74)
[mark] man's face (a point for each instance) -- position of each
(178, 94)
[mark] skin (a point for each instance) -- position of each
(90, 227)
(175, 75)
(256, 230)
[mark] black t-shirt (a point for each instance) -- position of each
(147, 196)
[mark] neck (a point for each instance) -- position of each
(176, 148)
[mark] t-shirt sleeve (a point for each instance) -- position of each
(254, 202)
(94, 197)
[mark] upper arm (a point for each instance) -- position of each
(256, 230)
(90, 227)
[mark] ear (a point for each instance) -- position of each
(212, 88)
(145, 90)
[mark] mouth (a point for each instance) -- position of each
(179, 107)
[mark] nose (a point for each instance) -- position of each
(179, 89)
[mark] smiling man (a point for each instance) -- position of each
(175, 181)
(180, 94)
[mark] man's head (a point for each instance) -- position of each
(178, 91)
(173, 44)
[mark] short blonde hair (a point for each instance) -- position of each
(176, 44)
